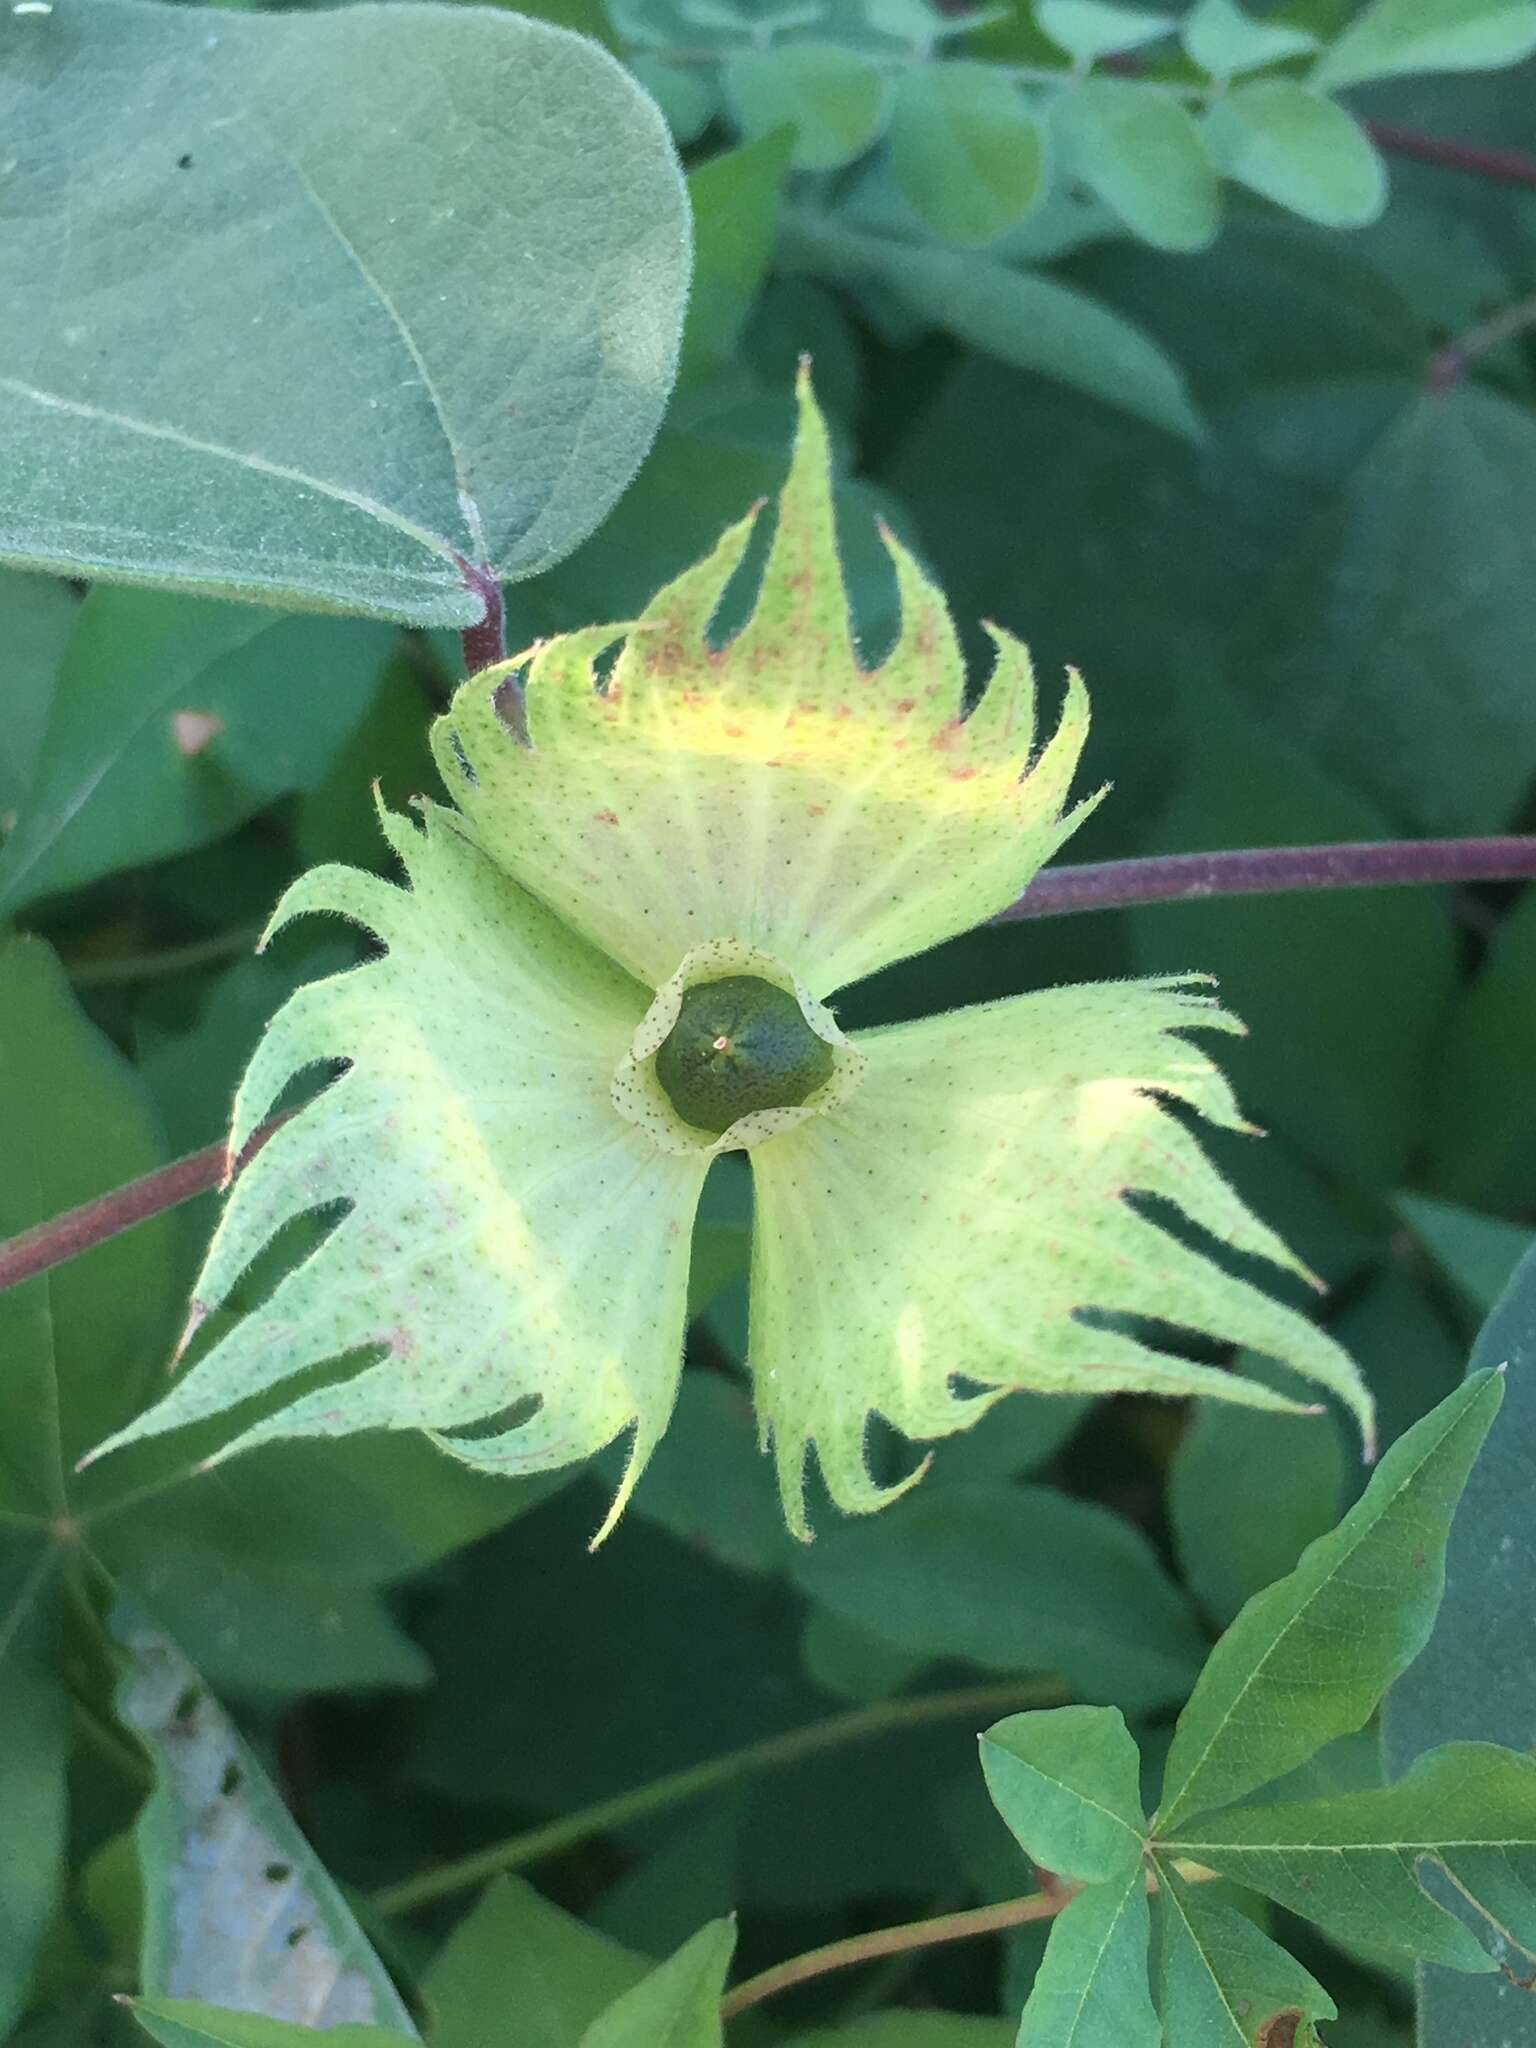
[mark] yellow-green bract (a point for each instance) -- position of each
(943, 1219)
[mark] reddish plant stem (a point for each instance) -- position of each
(1272, 870)
(1448, 365)
(1102, 885)
(65, 1237)
(1508, 166)
(484, 643)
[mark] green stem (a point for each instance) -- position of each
(88, 973)
(983, 1701)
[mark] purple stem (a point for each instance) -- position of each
(1509, 166)
(1272, 870)
(484, 643)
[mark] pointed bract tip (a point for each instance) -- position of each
(1368, 1444)
(197, 1316)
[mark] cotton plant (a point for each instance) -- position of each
(614, 957)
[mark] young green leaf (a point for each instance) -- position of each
(835, 100)
(1090, 29)
(1222, 1983)
(1300, 149)
(1479, 1254)
(1223, 40)
(735, 198)
(1145, 156)
(1034, 322)
(1351, 1861)
(237, 1905)
(967, 154)
(1395, 36)
(678, 2004)
(1310, 1658)
(515, 1953)
(1091, 1988)
(189, 2023)
(1483, 1134)
(1068, 1783)
(37, 616)
(408, 328)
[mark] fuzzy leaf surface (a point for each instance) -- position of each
(488, 230)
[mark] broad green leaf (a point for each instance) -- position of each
(37, 616)
(1017, 1436)
(1416, 579)
(1390, 37)
(735, 200)
(248, 1628)
(476, 358)
(1309, 1658)
(1246, 1499)
(1014, 1579)
(966, 151)
(1034, 323)
(82, 1344)
(854, 1663)
(678, 2004)
(237, 1905)
(1091, 1988)
(1089, 29)
(836, 101)
(1479, 1253)
(1222, 39)
(34, 1754)
(1300, 149)
(1476, 1676)
(174, 719)
(1483, 1130)
(709, 1485)
(514, 1957)
(1068, 1783)
(1351, 1862)
(1222, 1983)
(188, 2023)
(1144, 155)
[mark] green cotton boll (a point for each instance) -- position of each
(739, 1045)
(705, 847)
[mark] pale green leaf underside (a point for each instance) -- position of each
(428, 265)
(951, 1207)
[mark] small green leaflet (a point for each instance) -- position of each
(1275, 1690)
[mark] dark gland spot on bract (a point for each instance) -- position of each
(739, 1045)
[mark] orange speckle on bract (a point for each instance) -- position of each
(963, 774)
(606, 817)
(905, 707)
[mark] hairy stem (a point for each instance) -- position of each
(1102, 885)
(484, 643)
(1505, 166)
(981, 1702)
(1448, 365)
